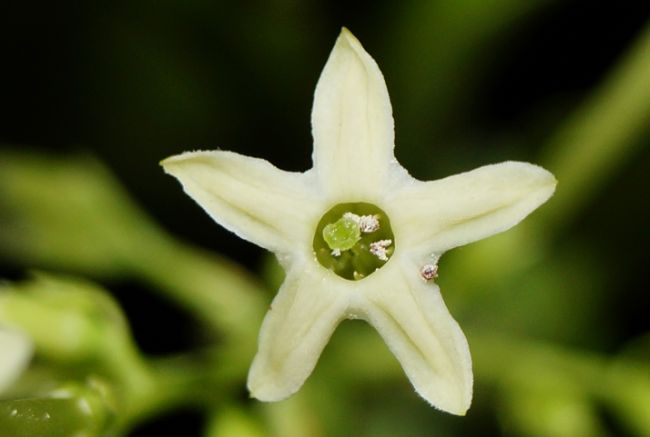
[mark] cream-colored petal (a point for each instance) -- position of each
(432, 217)
(270, 207)
(296, 328)
(15, 353)
(352, 123)
(411, 316)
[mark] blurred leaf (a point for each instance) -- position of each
(558, 296)
(71, 214)
(448, 48)
(272, 273)
(293, 417)
(549, 412)
(79, 332)
(80, 411)
(583, 155)
(228, 421)
(628, 394)
(68, 319)
(16, 350)
(78, 329)
(563, 373)
(603, 133)
(67, 212)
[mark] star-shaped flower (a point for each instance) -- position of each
(358, 236)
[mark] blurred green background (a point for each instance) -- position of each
(165, 305)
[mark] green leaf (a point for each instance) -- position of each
(67, 319)
(71, 214)
(72, 411)
(68, 213)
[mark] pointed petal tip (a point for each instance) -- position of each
(347, 36)
(177, 158)
(527, 166)
(547, 181)
(175, 161)
(453, 398)
(347, 41)
(165, 163)
(543, 179)
(266, 392)
(352, 122)
(456, 405)
(294, 334)
(539, 183)
(170, 161)
(265, 386)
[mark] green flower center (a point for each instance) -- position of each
(354, 240)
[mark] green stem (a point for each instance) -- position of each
(623, 386)
(509, 363)
(218, 291)
(160, 386)
(602, 133)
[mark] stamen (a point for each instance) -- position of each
(367, 223)
(378, 248)
(429, 271)
(354, 240)
(352, 216)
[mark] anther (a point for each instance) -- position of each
(378, 248)
(429, 271)
(353, 240)
(367, 223)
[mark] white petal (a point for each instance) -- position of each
(297, 327)
(413, 320)
(439, 215)
(15, 353)
(352, 123)
(257, 201)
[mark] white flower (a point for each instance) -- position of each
(16, 351)
(355, 172)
